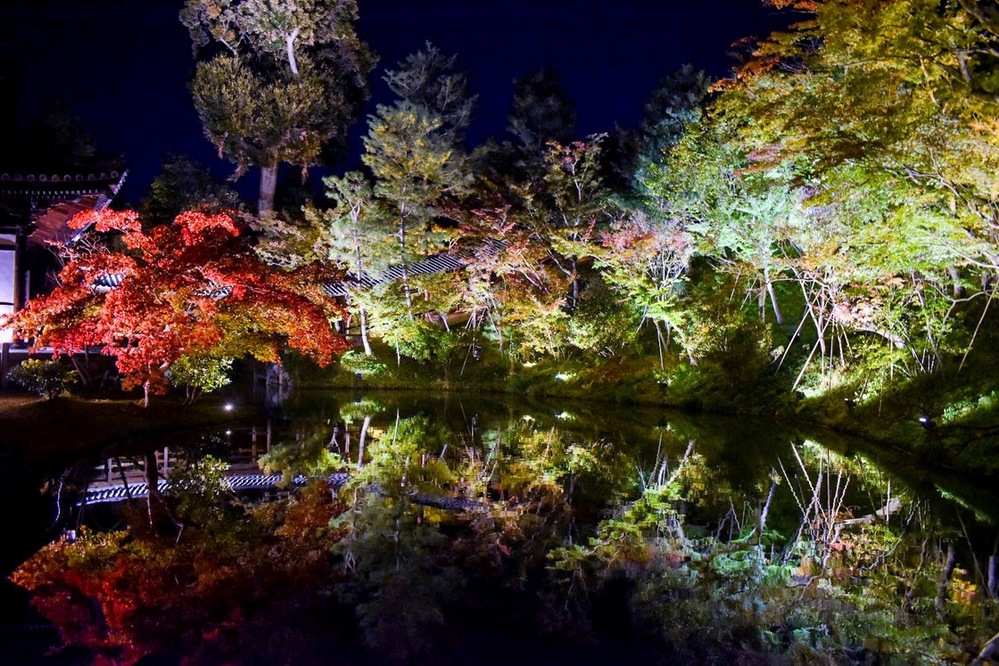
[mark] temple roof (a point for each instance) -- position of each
(52, 185)
(44, 200)
(51, 226)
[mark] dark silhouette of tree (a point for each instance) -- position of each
(182, 185)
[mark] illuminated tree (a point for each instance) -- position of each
(279, 80)
(413, 149)
(356, 234)
(189, 289)
(646, 260)
(530, 285)
(746, 220)
(414, 152)
(885, 110)
(569, 203)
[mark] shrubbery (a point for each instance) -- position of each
(47, 378)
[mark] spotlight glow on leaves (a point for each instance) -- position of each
(190, 288)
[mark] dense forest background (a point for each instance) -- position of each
(813, 238)
(818, 229)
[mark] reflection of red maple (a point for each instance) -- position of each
(192, 287)
(212, 597)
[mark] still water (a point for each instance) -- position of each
(419, 528)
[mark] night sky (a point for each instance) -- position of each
(123, 65)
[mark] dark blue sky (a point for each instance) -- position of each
(123, 65)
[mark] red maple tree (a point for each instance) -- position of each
(193, 287)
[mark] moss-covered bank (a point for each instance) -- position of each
(947, 419)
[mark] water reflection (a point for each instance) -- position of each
(430, 524)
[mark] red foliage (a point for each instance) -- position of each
(191, 287)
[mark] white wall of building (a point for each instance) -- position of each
(7, 281)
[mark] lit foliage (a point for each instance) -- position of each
(279, 81)
(840, 585)
(46, 377)
(356, 234)
(527, 278)
(200, 374)
(515, 287)
(646, 260)
(885, 112)
(192, 288)
(706, 575)
(413, 148)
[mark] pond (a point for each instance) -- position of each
(457, 529)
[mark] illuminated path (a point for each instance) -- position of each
(118, 492)
(106, 492)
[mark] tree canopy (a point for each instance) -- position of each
(190, 289)
(276, 82)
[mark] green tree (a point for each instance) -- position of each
(278, 81)
(568, 203)
(885, 111)
(357, 234)
(414, 151)
(646, 260)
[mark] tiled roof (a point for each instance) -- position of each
(59, 185)
(437, 264)
(431, 266)
(51, 224)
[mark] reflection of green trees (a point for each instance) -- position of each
(555, 462)
(307, 454)
(850, 587)
(201, 492)
(403, 557)
(705, 548)
(398, 581)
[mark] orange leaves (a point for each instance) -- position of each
(188, 288)
(196, 226)
(107, 220)
(797, 5)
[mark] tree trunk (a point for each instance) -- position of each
(289, 43)
(575, 286)
(363, 315)
(364, 435)
(152, 484)
(155, 496)
(364, 333)
(268, 185)
(993, 580)
(405, 271)
(778, 315)
(944, 582)
(955, 275)
(987, 652)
